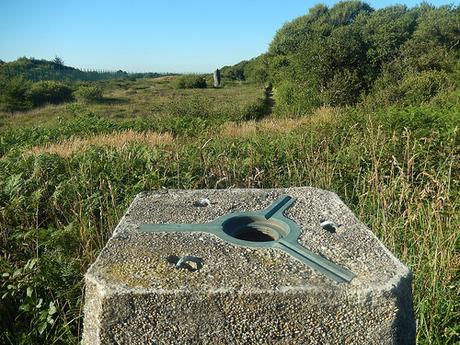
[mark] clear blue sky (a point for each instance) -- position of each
(143, 35)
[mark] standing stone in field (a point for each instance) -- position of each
(246, 266)
(216, 76)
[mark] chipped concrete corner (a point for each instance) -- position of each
(135, 294)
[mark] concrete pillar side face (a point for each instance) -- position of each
(244, 295)
(293, 318)
(94, 298)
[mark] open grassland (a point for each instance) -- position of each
(67, 173)
(150, 98)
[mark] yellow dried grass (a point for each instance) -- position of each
(117, 139)
(321, 116)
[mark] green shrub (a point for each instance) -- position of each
(89, 93)
(422, 87)
(235, 72)
(256, 70)
(193, 106)
(53, 92)
(292, 99)
(342, 89)
(190, 81)
(412, 89)
(13, 94)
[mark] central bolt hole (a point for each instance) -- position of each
(253, 234)
(255, 228)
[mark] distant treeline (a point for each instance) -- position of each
(351, 53)
(37, 70)
(27, 83)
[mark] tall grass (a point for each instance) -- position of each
(398, 169)
(69, 146)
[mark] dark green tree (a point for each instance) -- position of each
(13, 94)
(435, 43)
(58, 61)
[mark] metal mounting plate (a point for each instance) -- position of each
(268, 228)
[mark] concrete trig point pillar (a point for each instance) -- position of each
(246, 266)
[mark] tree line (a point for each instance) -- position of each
(36, 70)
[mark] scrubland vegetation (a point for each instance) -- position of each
(376, 120)
(190, 81)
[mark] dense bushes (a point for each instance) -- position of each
(17, 94)
(89, 93)
(52, 92)
(190, 81)
(235, 72)
(295, 99)
(341, 55)
(412, 89)
(13, 94)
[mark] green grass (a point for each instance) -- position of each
(397, 168)
(149, 98)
